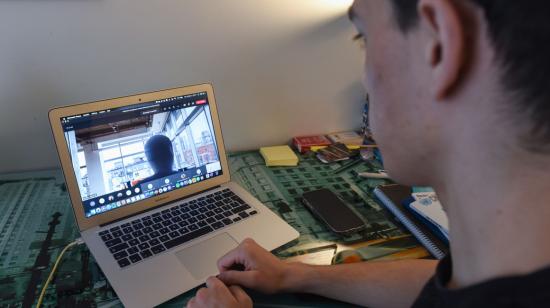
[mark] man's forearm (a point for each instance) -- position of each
(374, 284)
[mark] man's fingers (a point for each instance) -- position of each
(214, 283)
(238, 255)
(230, 258)
(240, 295)
(246, 279)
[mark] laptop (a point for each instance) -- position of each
(152, 193)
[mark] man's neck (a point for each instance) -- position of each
(498, 210)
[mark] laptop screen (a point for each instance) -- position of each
(124, 155)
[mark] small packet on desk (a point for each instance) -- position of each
(335, 152)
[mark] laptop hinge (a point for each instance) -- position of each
(151, 209)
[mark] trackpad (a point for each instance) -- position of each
(201, 259)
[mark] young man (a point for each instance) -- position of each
(463, 85)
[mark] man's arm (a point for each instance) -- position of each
(373, 284)
(376, 284)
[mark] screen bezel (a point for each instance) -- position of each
(84, 223)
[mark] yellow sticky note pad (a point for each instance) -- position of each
(279, 156)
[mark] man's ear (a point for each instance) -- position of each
(445, 45)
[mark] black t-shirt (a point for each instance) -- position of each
(531, 290)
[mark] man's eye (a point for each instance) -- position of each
(359, 37)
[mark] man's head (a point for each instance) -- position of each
(159, 153)
(445, 75)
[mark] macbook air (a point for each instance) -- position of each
(152, 193)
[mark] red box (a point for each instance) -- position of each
(304, 143)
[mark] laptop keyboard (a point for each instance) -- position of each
(153, 234)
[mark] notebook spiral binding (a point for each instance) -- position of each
(420, 236)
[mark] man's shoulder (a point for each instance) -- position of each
(529, 290)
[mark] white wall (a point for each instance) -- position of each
(279, 67)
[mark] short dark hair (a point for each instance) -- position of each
(520, 34)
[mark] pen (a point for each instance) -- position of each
(374, 175)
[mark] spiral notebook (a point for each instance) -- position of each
(392, 197)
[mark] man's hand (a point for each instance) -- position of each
(262, 270)
(216, 294)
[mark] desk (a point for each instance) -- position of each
(37, 216)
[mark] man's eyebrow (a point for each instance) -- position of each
(351, 13)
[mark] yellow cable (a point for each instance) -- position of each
(53, 271)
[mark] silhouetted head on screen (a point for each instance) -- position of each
(160, 154)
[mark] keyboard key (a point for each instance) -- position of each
(143, 246)
(157, 226)
(227, 214)
(243, 214)
(174, 234)
(127, 237)
(137, 233)
(123, 262)
(106, 237)
(217, 225)
(148, 222)
(203, 210)
(185, 209)
(104, 232)
(119, 247)
(154, 234)
(147, 230)
(157, 249)
(240, 208)
(227, 221)
(167, 216)
(164, 231)
(185, 216)
(156, 214)
(166, 223)
(164, 238)
(132, 250)
(165, 211)
(183, 230)
(117, 233)
(253, 213)
(144, 238)
(127, 229)
(202, 223)
(154, 242)
(218, 210)
(194, 213)
(176, 219)
(113, 242)
(157, 219)
(201, 217)
(192, 220)
(193, 227)
(182, 224)
(113, 229)
(210, 214)
(138, 226)
(135, 258)
(219, 217)
(174, 227)
(146, 253)
(187, 237)
(120, 254)
(210, 220)
(133, 242)
(236, 219)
